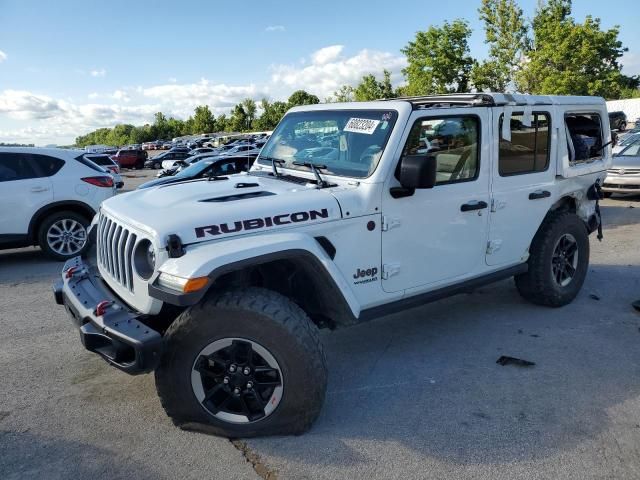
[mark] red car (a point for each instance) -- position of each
(130, 158)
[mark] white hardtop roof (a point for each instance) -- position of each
(460, 100)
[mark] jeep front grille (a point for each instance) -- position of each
(115, 250)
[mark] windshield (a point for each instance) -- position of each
(348, 143)
(632, 150)
(193, 170)
(633, 137)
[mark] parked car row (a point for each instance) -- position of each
(157, 145)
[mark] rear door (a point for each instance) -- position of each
(24, 189)
(523, 174)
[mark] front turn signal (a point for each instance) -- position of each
(195, 284)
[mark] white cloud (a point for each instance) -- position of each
(121, 95)
(329, 69)
(24, 105)
(3, 56)
(326, 54)
(98, 72)
(38, 118)
(172, 80)
(181, 99)
(275, 28)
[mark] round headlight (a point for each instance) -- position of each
(151, 257)
(144, 259)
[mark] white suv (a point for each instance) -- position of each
(350, 212)
(48, 198)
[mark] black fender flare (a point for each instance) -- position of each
(325, 287)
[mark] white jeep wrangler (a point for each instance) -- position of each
(351, 211)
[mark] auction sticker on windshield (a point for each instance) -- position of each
(361, 125)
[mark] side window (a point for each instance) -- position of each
(528, 150)
(16, 166)
(47, 165)
(584, 137)
(226, 168)
(453, 141)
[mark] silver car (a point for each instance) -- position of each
(624, 174)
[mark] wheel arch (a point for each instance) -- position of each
(66, 205)
(565, 203)
(296, 274)
(294, 265)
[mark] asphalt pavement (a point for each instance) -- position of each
(414, 395)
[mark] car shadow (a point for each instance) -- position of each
(427, 379)
(28, 455)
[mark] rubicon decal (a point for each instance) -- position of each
(265, 222)
(365, 275)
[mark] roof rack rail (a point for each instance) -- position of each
(456, 99)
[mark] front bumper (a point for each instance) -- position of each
(114, 331)
(621, 184)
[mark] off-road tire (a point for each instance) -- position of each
(259, 315)
(50, 220)
(538, 285)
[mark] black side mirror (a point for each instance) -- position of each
(416, 171)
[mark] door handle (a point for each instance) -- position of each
(39, 189)
(539, 194)
(467, 207)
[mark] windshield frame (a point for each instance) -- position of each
(264, 163)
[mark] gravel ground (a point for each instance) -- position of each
(414, 395)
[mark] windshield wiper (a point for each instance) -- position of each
(273, 161)
(315, 168)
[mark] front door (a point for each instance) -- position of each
(437, 235)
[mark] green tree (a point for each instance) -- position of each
(203, 120)
(221, 123)
(272, 113)
(506, 34)
(238, 120)
(249, 107)
(438, 60)
(344, 94)
(119, 135)
(370, 88)
(570, 58)
(300, 97)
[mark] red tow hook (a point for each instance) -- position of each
(102, 307)
(70, 271)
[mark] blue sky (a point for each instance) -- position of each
(69, 66)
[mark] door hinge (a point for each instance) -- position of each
(493, 246)
(389, 223)
(389, 270)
